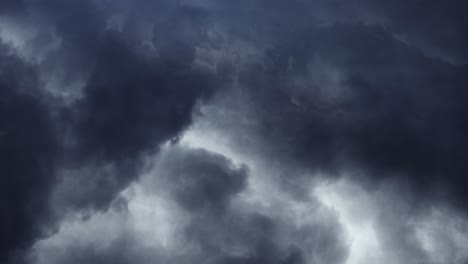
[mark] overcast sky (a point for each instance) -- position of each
(233, 132)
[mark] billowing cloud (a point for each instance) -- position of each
(217, 132)
(27, 150)
(79, 154)
(195, 205)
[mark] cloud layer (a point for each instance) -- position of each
(222, 132)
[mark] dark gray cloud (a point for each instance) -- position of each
(27, 151)
(9, 6)
(321, 91)
(130, 101)
(207, 224)
(207, 185)
(388, 109)
(201, 180)
(129, 104)
(436, 27)
(357, 101)
(354, 98)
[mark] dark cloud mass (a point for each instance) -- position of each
(131, 101)
(11, 6)
(202, 180)
(384, 107)
(225, 132)
(27, 151)
(130, 104)
(435, 26)
(205, 187)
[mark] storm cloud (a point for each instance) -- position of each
(221, 132)
(28, 149)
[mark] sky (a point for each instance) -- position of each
(233, 132)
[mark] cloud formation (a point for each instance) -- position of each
(28, 149)
(220, 132)
(191, 206)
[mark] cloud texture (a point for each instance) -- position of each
(233, 132)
